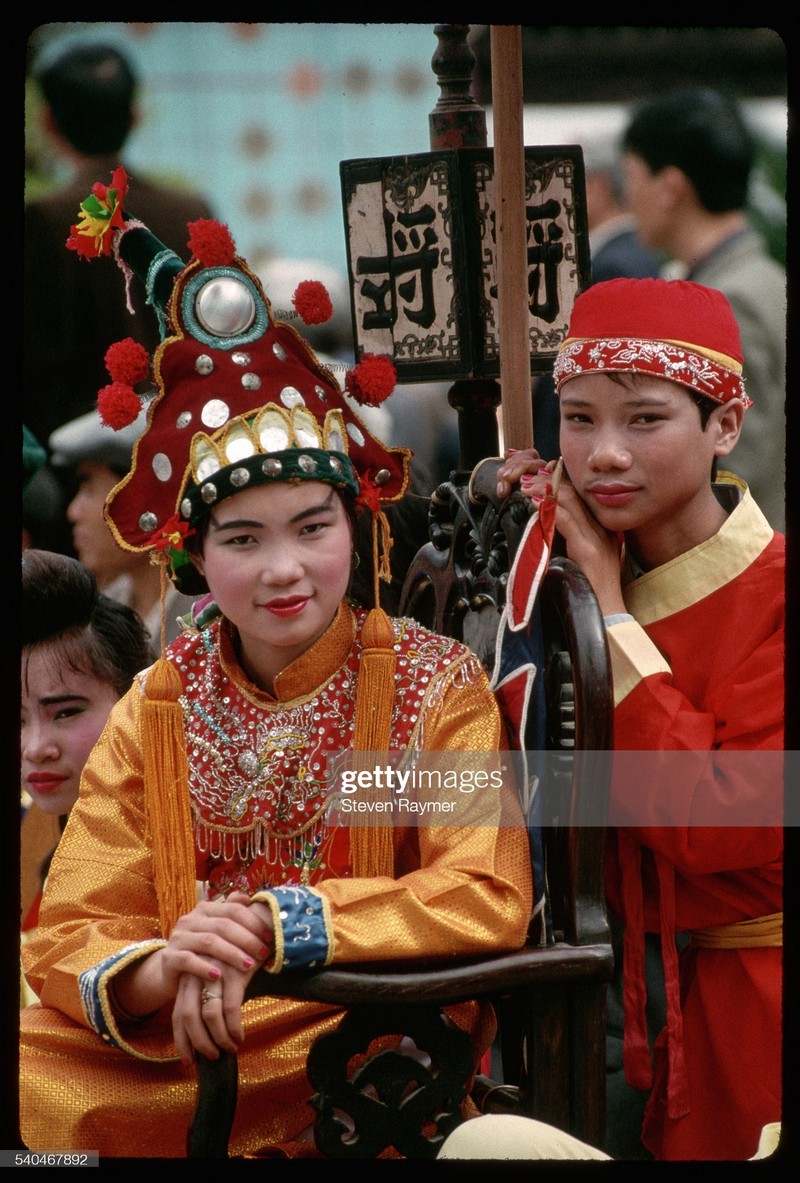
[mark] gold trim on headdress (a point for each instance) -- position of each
(274, 429)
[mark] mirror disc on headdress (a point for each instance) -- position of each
(238, 443)
(214, 413)
(290, 396)
(272, 430)
(306, 428)
(225, 307)
(205, 461)
(335, 438)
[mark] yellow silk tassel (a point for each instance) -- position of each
(372, 846)
(166, 788)
(381, 547)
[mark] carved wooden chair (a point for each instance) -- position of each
(550, 1001)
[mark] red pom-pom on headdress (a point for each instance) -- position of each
(127, 361)
(372, 380)
(312, 302)
(211, 242)
(118, 405)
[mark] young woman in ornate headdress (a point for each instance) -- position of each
(202, 847)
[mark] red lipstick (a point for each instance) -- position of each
(290, 606)
(46, 782)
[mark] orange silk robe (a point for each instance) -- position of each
(89, 1079)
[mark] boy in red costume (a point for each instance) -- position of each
(690, 579)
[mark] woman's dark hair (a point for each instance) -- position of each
(63, 609)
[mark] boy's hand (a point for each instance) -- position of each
(517, 463)
(595, 550)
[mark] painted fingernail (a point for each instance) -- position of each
(248, 962)
(263, 952)
(215, 973)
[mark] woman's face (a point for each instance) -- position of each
(277, 560)
(63, 713)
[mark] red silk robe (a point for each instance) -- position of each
(701, 670)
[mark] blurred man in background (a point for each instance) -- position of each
(614, 244)
(688, 159)
(73, 312)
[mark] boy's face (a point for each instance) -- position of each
(636, 451)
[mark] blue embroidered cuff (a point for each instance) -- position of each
(301, 928)
(93, 984)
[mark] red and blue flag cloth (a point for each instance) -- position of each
(518, 685)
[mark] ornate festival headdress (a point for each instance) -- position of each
(241, 400)
(669, 328)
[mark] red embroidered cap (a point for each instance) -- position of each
(669, 328)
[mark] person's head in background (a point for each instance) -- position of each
(687, 158)
(615, 247)
(605, 186)
(80, 654)
(98, 457)
(81, 82)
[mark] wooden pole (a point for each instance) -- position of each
(510, 226)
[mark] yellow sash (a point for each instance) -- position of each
(742, 934)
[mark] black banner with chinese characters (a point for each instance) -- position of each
(422, 258)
